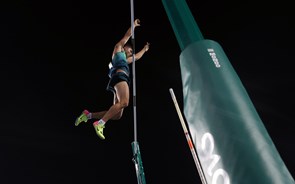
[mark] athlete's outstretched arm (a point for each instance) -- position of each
(119, 46)
(139, 54)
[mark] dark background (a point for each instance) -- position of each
(54, 57)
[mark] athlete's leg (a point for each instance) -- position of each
(118, 115)
(99, 115)
(116, 110)
(121, 101)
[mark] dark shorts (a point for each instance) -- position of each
(115, 79)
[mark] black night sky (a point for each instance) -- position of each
(54, 57)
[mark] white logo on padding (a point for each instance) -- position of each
(213, 57)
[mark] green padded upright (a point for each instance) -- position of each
(232, 142)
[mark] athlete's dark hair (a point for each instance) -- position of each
(128, 45)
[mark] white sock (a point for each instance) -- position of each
(101, 122)
(89, 115)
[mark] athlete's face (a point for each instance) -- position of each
(128, 51)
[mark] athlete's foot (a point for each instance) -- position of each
(99, 129)
(82, 118)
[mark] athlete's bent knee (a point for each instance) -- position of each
(124, 104)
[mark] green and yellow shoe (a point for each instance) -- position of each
(99, 129)
(82, 118)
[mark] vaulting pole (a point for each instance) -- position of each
(133, 70)
(188, 138)
(135, 146)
